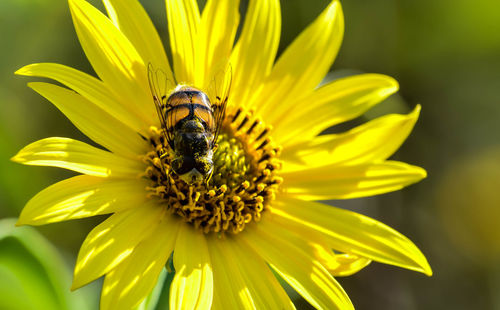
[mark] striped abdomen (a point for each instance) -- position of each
(189, 104)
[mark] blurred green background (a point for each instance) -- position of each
(446, 56)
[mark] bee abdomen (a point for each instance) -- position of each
(187, 104)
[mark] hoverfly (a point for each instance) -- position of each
(191, 123)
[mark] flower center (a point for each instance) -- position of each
(243, 183)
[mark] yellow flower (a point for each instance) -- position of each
(257, 212)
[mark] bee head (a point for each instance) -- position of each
(192, 171)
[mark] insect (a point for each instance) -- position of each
(191, 123)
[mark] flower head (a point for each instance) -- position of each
(257, 210)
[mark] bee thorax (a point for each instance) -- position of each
(192, 126)
(192, 143)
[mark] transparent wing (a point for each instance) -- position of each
(160, 87)
(218, 92)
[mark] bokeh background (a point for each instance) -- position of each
(446, 56)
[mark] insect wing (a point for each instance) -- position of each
(160, 86)
(218, 92)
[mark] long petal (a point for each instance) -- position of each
(317, 244)
(114, 58)
(219, 22)
(192, 287)
(82, 196)
(129, 283)
(108, 244)
(87, 86)
(261, 32)
(242, 279)
(93, 121)
(77, 156)
(183, 18)
(350, 232)
(130, 17)
(230, 288)
(303, 272)
(373, 141)
(346, 182)
(331, 104)
(305, 62)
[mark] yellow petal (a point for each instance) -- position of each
(108, 244)
(331, 104)
(316, 243)
(301, 270)
(339, 265)
(242, 279)
(192, 286)
(129, 283)
(87, 86)
(82, 196)
(114, 59)
(346, 182)
(303, 64)
(230, 289)
(219, 22)
(261, 32)
(93, 121)
(77, 156)
(130, 17)
(349, 264)
(373, 141)
(183, 17)
(351, 233)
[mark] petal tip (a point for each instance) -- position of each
(33, 85)
(422, 173)
(334, 10)
(416, 111)
(334, 3)
(17, 158)
(76, 284)
(428, 271)
(26, 217)
(41, 87)
(424, 267)
(73, 287)
(391, 88)
(23, 71)
(417, 173)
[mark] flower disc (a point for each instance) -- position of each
(243, 183)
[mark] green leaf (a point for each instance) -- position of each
(33, 275)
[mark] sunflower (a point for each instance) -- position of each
(258, 213)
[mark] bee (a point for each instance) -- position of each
(191, 123)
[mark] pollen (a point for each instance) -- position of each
(244, 182)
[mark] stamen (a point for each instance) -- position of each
(249, 131)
